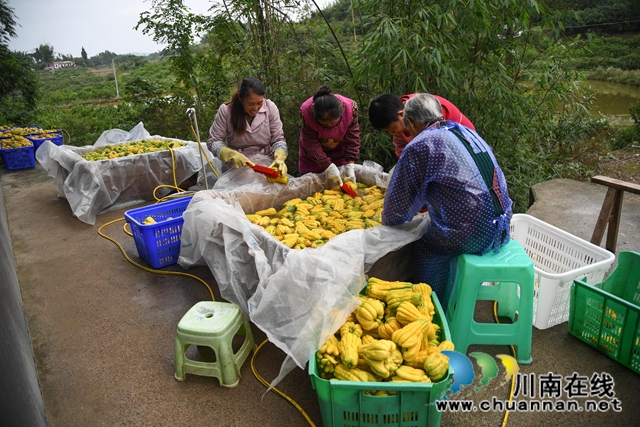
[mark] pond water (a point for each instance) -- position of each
(613, 100)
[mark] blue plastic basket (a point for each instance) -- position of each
(18, 158)
(158, 244)
(37, 142)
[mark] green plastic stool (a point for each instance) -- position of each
(508, 279)
(213, 324)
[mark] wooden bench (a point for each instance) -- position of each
(611, 210)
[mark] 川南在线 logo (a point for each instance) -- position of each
(463, 374)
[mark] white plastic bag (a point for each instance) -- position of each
(95, 187)
(118, 136)
(297, 297)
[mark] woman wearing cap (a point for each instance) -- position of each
(248, 130)
(330, 134)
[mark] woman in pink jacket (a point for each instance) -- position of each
(248, 130)
(330, 133)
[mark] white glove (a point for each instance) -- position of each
(349, 173)
(333, 174)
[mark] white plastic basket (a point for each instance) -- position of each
(558, 258)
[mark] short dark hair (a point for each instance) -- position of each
(383, 110)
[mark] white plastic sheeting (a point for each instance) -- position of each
(297, 297)
(94, 187)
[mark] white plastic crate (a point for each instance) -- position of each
(558, 258)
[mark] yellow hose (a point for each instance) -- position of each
(150, 270)
(275, 390)
(203, 152)
(177, 273)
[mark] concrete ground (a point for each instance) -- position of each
(103, 330)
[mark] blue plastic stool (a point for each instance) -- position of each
(508, 278)
(213, 324)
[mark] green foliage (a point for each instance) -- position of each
(376, 146)
(171, 23)
(607, 52)
(18, 88)
(626, 137)
(85, 58)
(7, 24)
(143, 91)
(629, 135)
(603, 16)
(103, 58)
(616, 75)
(85, 123)
(43, 54)
(74, 86)
(126, 63)
(18, 82)
(635, 113)
(490, 60)
(155, 71)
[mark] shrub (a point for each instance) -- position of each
(85, 123)
(625, 137)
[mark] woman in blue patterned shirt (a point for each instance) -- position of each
(450, 170)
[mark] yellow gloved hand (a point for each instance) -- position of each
(239, 160)
(280, 156)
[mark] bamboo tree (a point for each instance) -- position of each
(499, 61)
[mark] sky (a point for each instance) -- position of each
(96, 25)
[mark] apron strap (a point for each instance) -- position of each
(490, 177)
(487, 170)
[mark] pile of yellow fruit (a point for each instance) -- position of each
(281, 179)
(132, 148)
(15, 141)
(6, 132)
(313, 221)
(151, 220)
(44, 136)
(390, 337)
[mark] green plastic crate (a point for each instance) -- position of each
(607, 315)
(345, 404)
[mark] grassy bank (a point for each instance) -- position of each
(615, 75)
(608, 58)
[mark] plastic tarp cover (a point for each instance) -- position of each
(298, 297)
(95, 187)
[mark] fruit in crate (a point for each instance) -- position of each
(407, 351)
(44, 136)
(15, 141)
(131, 148)
(436, 365)
(20, 131)
(149, 220)
(311, 222)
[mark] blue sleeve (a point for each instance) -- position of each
(407, 189)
